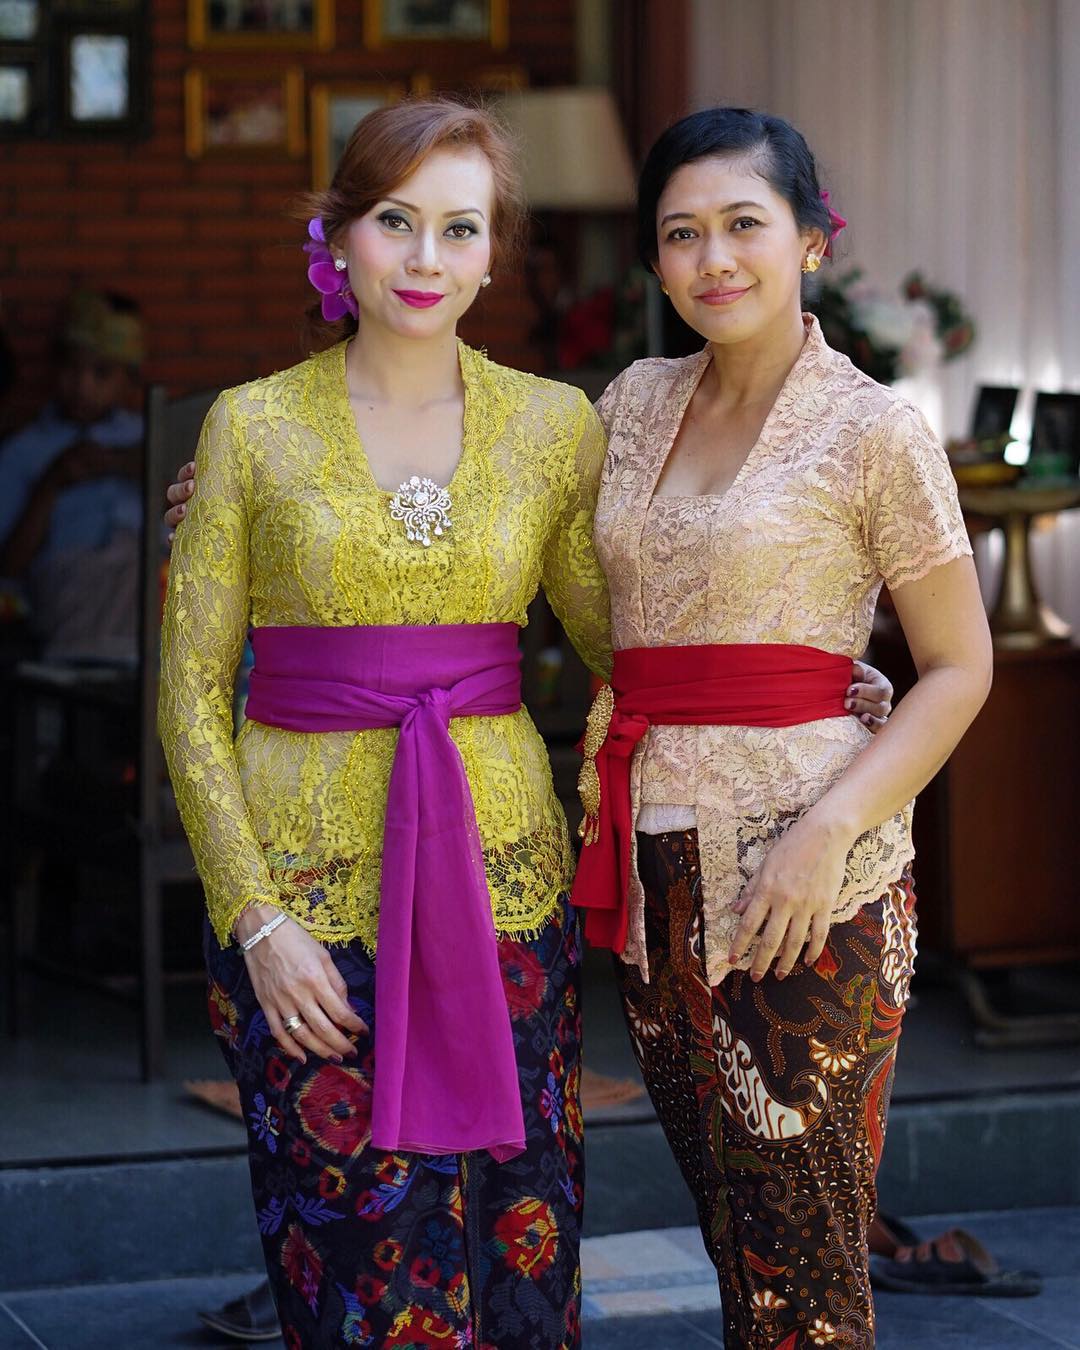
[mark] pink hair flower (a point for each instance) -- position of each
(337, 298)
(836, 220)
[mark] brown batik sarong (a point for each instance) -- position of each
(773, 1097)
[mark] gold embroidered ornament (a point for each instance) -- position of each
(588, 783)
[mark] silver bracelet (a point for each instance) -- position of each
(264, 931)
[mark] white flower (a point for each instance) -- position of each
(822, 1332)
(887, 322)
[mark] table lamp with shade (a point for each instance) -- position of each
(576, 163)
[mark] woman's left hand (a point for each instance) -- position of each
(791, 897)
(868, 696)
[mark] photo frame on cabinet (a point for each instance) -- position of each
(476, 21)
(261, 23)
(244, 113)
(336, 107)
(994, 408)
(1055, 432)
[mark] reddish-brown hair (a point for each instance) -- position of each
(389, 145)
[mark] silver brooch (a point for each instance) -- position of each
(424, 507)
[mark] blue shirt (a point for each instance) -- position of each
(85, 515)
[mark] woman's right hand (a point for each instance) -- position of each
(178, 494)
(293, 976)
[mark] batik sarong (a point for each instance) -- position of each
(773, 1097)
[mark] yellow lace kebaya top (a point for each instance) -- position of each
(845, 487)
(288, 527)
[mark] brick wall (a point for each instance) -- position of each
(204, 245)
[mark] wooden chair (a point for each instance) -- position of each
(172, 431)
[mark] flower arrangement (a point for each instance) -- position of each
(892, 336)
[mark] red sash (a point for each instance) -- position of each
(738, 684)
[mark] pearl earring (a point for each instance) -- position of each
(340, 264)
(486, 279)
(812, 263)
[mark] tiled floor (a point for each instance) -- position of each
(643, 1291)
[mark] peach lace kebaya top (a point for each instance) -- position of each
(846, 487)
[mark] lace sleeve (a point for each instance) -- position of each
(912, 513)
(572, 577)
(206, 620)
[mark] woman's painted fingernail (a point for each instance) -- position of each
(849, 703)
(181, 510)
(337, 1059)
(756, 976)
(852, 690)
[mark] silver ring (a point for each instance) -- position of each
(293, 1023)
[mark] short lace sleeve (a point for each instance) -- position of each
(206, 621)
(913, 517)
(573, 579)
(608, 401)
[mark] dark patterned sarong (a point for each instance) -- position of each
(373, 1249)
(773, 1097)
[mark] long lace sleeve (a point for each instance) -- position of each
(206, 620)
(572, 577)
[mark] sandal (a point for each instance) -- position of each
(954, 1263)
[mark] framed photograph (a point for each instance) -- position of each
(20, 20)
(102, 79)
(261, 23)
(19, 101)
(482, 21)
(1055, 431)
(244, 113)
(994, 408)
(335, 110)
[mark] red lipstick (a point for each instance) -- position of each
(721, 296)
(420, 299)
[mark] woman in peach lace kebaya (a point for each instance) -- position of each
(754, 498)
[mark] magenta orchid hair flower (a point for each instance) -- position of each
(337, 299)
(836, 220)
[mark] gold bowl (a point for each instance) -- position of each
(986, 473)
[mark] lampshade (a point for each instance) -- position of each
(574, 150)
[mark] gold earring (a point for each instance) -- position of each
(663, 288)
(812, 263)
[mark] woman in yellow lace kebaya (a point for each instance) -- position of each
(438, 1201)
(754, 499)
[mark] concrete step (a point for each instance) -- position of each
(191, 1215)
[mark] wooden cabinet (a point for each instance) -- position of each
(997, 832)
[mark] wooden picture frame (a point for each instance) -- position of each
(485, 22)
(498, 79)
(217, 123)
(336, 107)
(206, 30)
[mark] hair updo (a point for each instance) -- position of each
(389, 145)
(777, 151)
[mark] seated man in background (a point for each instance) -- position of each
(70, 493)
